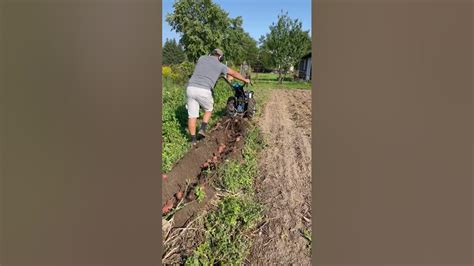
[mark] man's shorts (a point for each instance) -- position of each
(198, 97)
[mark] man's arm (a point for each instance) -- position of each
(237, 75)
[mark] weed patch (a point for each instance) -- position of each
(236, 175)
(307, 235)
(200, 193)
(226, 242)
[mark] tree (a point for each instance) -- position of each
(202, 25)
(237, 44)
(250, 48)
(173, 53)
(261, 61)
(286, 43)
(232, 41)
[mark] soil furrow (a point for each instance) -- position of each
(285, 186)
(191, 170)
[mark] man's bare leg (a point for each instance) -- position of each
(192, 128)
(206, 117)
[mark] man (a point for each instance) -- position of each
(199, 89)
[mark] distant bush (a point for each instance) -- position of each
(166, 72)
(182, 72)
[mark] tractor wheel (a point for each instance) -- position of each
(230, 109)
(251, 107)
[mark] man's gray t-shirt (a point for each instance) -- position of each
(206, 72)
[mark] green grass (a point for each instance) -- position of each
(226, 241)
(175, 117)
(270, 81)
(200, 193)
(307, 235)
(236, 176)
(239, 175)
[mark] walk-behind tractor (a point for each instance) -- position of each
(242, 103)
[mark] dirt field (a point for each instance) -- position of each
(285, 185)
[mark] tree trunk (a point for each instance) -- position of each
(279, 76)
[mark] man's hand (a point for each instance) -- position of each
(237, 75)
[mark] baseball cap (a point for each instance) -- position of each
(218, 52)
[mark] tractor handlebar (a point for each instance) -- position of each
(228, 82)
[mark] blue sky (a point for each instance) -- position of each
(257, 15)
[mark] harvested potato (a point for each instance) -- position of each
(191, 196)
(221, 149)
(167, 207)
